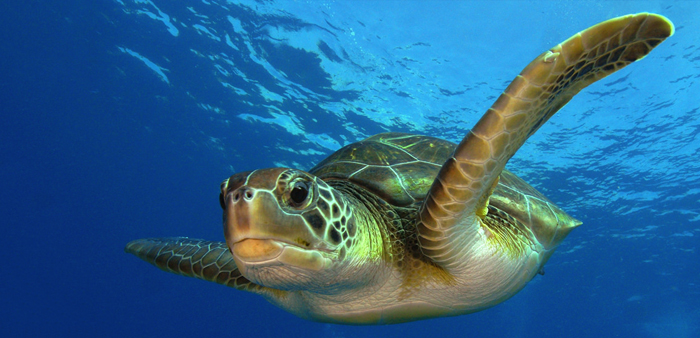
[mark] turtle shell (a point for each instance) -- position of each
(397, 167)
(400, 168)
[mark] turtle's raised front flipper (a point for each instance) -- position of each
(193, 258)
(460, 193)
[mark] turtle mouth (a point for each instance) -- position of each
(268, 251)
(299, 243)
(255, 250)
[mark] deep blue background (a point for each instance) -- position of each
(96, 151)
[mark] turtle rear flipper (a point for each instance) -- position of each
(460, 194)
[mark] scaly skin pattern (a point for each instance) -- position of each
(542, 88)
(363, 239)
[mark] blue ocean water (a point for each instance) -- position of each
(121, 117)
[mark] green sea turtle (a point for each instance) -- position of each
(403, 227)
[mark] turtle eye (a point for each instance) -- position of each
(299, 193)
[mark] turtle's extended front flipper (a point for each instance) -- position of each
(449, 218)
(196, 258)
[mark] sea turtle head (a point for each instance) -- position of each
(288, 229)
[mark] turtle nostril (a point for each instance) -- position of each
(241, 193)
